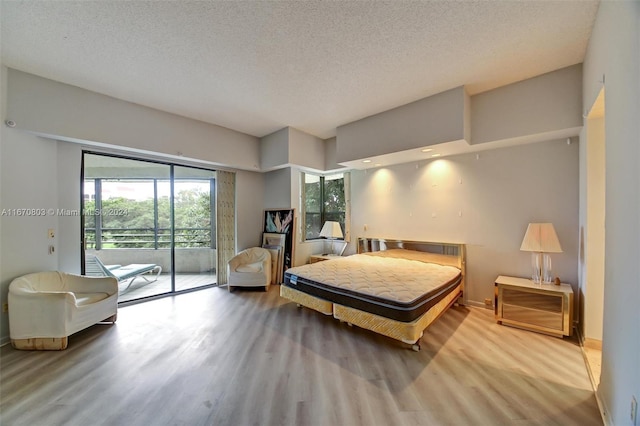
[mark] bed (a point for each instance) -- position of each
(392, 287)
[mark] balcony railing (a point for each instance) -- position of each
(153, 238)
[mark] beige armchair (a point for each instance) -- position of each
(45, 308)
(250, 268)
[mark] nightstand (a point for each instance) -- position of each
(545, 308)
(320, 257)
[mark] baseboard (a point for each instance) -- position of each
(604, 411)
(478, 304)
(4, 340)
(594, 344)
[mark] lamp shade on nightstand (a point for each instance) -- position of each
(331, 230)
(541, 238)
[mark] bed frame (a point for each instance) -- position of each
(406, 332)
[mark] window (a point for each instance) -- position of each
(324, 198)
(147, 222)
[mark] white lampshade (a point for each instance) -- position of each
(541, 238)
(331, 229)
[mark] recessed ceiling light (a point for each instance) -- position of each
(436, 155)
(366, 161)
(427, 150)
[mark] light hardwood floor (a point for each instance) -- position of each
(250, 358)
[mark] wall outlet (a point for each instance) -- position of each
(5, 307)
(634, 410)
(488, 302)
(51, 233)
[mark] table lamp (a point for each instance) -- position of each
(331, 230)
(541, 239)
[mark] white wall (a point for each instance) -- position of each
(485, 203)
(612, 54)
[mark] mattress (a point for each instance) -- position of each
(389, 285)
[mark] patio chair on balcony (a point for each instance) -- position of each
(95, 268)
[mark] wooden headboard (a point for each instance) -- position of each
(454, 254)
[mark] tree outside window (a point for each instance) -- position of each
(147, 222)
(324, 199)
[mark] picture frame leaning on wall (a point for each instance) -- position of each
(273, 241)
(283, 221)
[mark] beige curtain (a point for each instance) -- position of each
(225, 221)
(347, 202)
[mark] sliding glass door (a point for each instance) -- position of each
(149, 224)
(194, 222)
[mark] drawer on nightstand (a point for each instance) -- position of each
(542, 318)
(544, 302)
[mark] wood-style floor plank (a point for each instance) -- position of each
(250, 358)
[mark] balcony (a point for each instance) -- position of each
(195, 260)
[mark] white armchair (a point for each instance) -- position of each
(250, 268)
(47, 307)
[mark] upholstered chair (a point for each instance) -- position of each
(250, 268)
(45, 308)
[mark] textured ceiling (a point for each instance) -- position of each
(257, 67)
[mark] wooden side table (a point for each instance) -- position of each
(545, 308)
(321, 257)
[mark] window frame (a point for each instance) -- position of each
(303, 213)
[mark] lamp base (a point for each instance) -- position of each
(547, 275)
(536, 267)
(541, 271)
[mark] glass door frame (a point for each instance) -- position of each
(172, 251)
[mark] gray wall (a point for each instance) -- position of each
(4, 328)
(612, 54)
(249, 209)
(485, 203)
(28, 180)
(290, 146)
(66, 112)
(37, 172)
(277, 189)
(274, 150)
(436, 119)
(306, 150)
(546, 104)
